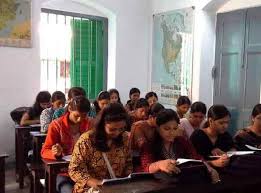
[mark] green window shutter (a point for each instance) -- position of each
(86, 67)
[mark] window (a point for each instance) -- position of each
(73, 52)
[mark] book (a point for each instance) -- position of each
(253, 148)
(232, 153)
(67, 158)
(182, 161)
(131, 177)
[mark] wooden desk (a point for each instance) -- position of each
(22, 144)
(52, 169)
(2, 172)
(37, 141)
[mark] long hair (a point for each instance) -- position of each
(163, 117)
(112, 91)
(42, 97)
(112, 113)
(103, 95)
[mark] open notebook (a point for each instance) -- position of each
(67, 158)
(232, 153)
(253, 148)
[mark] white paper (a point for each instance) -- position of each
(67, 158)
(182, 160)
(253, 148)
(231, 153)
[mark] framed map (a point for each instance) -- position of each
(172, 55)
(15, 23)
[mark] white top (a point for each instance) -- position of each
(188, 128)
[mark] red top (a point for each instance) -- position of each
(59, 132)
(182, 149)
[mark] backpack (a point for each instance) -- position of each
(17, 114)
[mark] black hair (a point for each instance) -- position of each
(256, 110)
(155, 109)
(112, 113)
(182, 100)
(198, 107)
(103, 95)
(151, 94)
(76, 91)
(36, 110)
(133, 90)
(216, 112)
(80, 103)
(165, 116)
(58, 95)
(112, 91)
(142, 102)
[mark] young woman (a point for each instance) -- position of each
(140, 112)
(196, 118)
(213, 139)
(100, 103)
(62, 135)
(152, 98)
(33, 115)
(114, 96)
(58, 101)
(183, 105)
(134, 95)
(102, 153)
(73, 92)
(252, 134)
(168, 146)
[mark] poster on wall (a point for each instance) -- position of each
(15, 23)
(172, 55)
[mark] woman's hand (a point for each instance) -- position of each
(57, 150)
(94, 183)
(221, 162)
(168, 166)
(217, 152)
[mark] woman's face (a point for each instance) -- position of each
(135, 96)
(115, 128)
(168, 131)
(103, 103)
(152, 100)
(58, 104)
(183, 109)
(45, 105)
(142, 113)
(196, 118)
(114, 98)
(220, 125)
(257, 121)
(77, 117)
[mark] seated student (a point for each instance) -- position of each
(114, 96)
(63, 133)
(134, 96)
(213, 139)
(58, 101)
(167, 146)
(196, 118)
(183, 105)
(152, 98)
(140, 112)
(100, 103)
(108, 141)
(33, 115)
(73, 92)
(252, 134)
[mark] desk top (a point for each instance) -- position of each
(54, 162)
(27, 127)
(37, 134)
(4, 155)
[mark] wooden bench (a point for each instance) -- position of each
(2, 172)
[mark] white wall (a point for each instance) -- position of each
(239, 4)
(129, 43)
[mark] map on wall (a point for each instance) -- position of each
(15, 23)
(172, 55)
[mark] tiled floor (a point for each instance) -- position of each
(12, 186)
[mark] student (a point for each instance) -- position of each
(33, 115)
(252, 134)
(134, 95)
(152, 98)
(196, 118)
(213, 139)
(168, 146)
(109, 141)
(114, 96)
(100, 103)
(73, 92)
(183, 105)
(140, 112)
(58, 101)
(63, 133)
